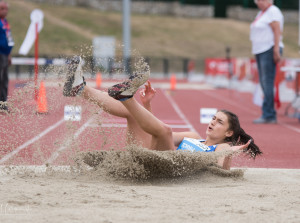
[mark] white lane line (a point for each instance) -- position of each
(13, 170)
(289, 127)
(29, 142)
(248, 110)
(179, 112)
(77, 133)
(108, 125)
(230, 102)
(123, 121)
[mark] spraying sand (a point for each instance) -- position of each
(142, 164)
(129, 185)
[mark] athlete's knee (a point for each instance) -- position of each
(166, 130)
(130, 119)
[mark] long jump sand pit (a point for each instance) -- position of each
(204, 194)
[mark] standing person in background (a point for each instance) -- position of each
(266, 37)
(6, 45)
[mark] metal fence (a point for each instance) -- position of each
(24, 67)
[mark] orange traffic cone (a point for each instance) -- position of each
(42, 107)
(173, 82)
(98, 80)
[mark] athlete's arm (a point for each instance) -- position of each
(178, 136)
(225, 162)
(146, 96)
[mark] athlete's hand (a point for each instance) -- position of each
(147, 94)
(240, 147)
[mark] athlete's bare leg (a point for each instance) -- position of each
(178, 136)
(135, 133)
(162, 138)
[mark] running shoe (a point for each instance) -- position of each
(75, 80)
(127, 89)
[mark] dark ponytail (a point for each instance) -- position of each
(239, 136)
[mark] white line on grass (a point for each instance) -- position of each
(179, 112)
(77, 133)
(29, 142)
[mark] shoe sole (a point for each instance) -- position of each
(128, 88)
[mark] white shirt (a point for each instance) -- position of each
(261, 33)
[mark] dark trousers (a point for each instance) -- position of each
(3, 77)
(267, 72)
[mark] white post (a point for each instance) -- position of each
(299, 24)
(126, 35)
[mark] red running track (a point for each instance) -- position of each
(30, 139)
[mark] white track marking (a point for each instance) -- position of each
(124, 121)
(12, 170)
(108, 125)
(231, 102)
(250, 111)
(290, 127)
(29, 142)
(179, 112)
(77, 133)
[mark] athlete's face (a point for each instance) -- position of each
(3, 10)
(218, 128)
(263, 4)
